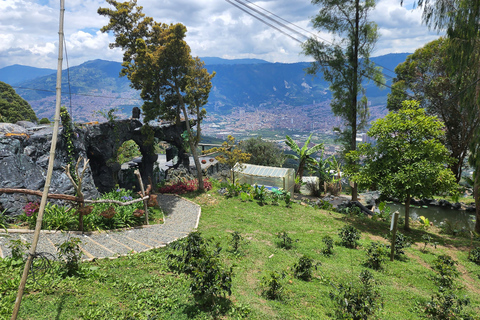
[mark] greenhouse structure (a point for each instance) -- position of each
(270, 177)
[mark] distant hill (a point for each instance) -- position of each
(247, 83)
(16, 73)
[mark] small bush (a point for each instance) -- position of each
(285, 241)
(303, 269)
(401, 242)
(376, 255)
(183, 187)
(328, 241)
(273, 287)
(474, 255)
(447, 271)
(70, 254)
(236, 242)
(445, 305)
(357, 302)
(44, 121)
(349, 236)
(427, 239)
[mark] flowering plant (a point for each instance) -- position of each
(204, 161)
(31, 208)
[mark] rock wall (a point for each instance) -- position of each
(25, 147)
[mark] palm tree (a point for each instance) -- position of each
(303, 157)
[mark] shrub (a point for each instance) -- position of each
(474, 255)
(357, 302)
(44, 121)
(445, 305)
(183, 187)
(303, 269)
(349, 236)
(328, 241)
(401, 242)
(263, 152)
(236, 241)
(273, 287)
(285, 241)
(70, 254)
(376, 254)
(447, 271)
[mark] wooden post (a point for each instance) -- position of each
(393, 228)
(137, 173)
(43, 202)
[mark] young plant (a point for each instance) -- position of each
(285, 241)
(236, 242)
(376, 254)
(288, 199)
(273, 287)
(447, 271)
(427, 239)
(328, 241)
(384, 212)
(70, 254)
(474, 255)
(18, 248)
(401, 242)
(357, 302)
(447, 305)
(260, 194)
(303, 269)
(349, 236)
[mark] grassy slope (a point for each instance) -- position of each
(141, 285)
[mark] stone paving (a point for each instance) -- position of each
(181, 218)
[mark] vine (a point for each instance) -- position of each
(68, 136)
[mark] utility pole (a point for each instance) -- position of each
(51, 160)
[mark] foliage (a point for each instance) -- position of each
(424, 222)
(157, 60)
(260, 194)
(67, 137)
(3, 221)
(427, 239)
(376, 255)
(427, 76)
(263, 152)
(183, 187)
(328, 241)
(70, 254)
(349, 236)
(357, 302)
(401, 243)
(408, 159)
(285, 241)
(328, 171)
(304, 156)
(231, 153)
(209, 277)
(236, 241)
(384, 212)
(110, 114)
(273, 287)
(447, 271)
(44, 121)
(447, 306)
(18, 249)
(128, 151)
(346, 69)
(303, 268)
(14, 108)
(474, 255)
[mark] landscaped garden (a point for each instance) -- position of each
(260, 257)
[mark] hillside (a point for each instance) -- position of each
(250, 84)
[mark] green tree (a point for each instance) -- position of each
(14, 108)
(346, 63)
(408, 159)
(303, 156)
(230, 153)
(157, 60)
(461, 20)
(263, 152)
(426, 75)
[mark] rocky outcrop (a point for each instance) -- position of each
(25, 147)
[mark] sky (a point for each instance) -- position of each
(216, 28)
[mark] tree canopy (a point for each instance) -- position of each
(427, 76)
(346, 62)
(14, 108)
(263, 152)
(408, 159)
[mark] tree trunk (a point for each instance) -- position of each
(476, 196)
(407, 213)
(193, 148)
(355, 91)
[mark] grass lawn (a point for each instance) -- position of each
(141, 286)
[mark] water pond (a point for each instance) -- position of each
(437, 214)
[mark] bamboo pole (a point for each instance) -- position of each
(51, 160)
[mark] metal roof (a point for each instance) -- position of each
(262, 171)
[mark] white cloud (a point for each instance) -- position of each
(29, 29)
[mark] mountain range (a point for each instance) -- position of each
(250, 84)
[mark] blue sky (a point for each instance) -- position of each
(29, 29)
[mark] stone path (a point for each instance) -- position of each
(181, 218)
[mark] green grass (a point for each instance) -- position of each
(141, 286)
